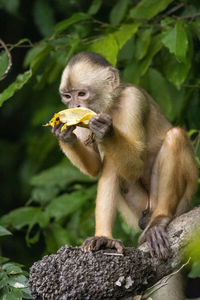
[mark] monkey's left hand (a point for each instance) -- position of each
(94, 243)
(101, 125)
(156, 237)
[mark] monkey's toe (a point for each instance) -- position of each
(157, 240)
(96, 243)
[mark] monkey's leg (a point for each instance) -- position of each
(133, 203)
(106, 203)
(173, 181)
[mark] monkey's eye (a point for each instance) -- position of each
(68, 96)
(81, 94)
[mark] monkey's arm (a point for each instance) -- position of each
(122, 135)
(108, 194)
(84, 157)
(72, 142)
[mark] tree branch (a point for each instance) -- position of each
(72, 274)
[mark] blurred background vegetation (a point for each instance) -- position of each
(45, 201)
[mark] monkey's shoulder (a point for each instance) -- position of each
(134, 100)
(133, 94)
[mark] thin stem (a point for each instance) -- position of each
(9, 59)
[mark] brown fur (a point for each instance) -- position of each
(153, 159)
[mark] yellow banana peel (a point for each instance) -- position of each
(73, 116)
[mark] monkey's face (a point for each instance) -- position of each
(76, 96)
(87, 85)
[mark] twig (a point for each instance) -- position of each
(162, 282)
(196, 86)
(192, 16)
(173, 9)
(9, 59)
(115, 254)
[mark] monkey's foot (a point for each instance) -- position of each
(144, 220)
(157, 240)
(95, 243)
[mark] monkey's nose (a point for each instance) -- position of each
(78, 106)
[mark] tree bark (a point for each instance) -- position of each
(72, 274)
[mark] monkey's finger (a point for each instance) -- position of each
(142, 238)
(86, 244)
(166, 240)
(92, 245)
(163, 249)
(101, 122)
(58, 129)
(101, 242)
(151, 250)
(162, 235)
(154, 241)
(69, 129)
(55, 128)
(103, 118)
(67, 134)
(119, 247)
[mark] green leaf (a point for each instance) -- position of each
(10, 293)
(20, 81)
(195, 26)
(67, 204)
(60, 176)
(110, 45)
(147, 9)
(176, 41)
(3, 260)
(32, 53)
(12, 269)
(43, 194)
(4, 231)
(63, 25)
(39, 58)
(55, 237)
(154, 48)
(107, 46)
(26, 293)
(167, 22)
(18, 281)
(25, 216)
(118, 11)
(192, 131)
(125, 32)
(195, 271)
(132, 72)
(175, 71)
(43, 17)
(4, 61)
(3, 279)
(94, 7)
(11, 6)
(142, 43)
(162, 94)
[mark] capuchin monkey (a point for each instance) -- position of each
(146, 167)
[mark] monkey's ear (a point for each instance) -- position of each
(114, 79)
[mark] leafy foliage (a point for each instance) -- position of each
(154, 43)
(13, 280)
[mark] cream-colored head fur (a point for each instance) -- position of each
(91, 70)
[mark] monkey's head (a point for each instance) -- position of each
(89, 81)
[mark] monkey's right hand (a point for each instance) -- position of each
(94, 243)
(66, 135)
(101, 125)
